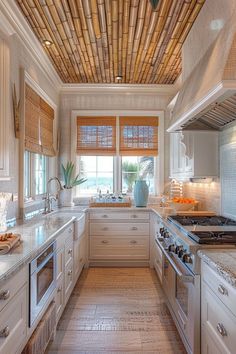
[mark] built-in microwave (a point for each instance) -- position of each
(42, 280)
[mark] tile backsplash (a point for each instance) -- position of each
(207, 194)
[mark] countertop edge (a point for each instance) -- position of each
(219, 268)
(25, 260)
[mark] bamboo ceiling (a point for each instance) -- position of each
(93, 41)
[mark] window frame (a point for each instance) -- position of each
(117, 172)
(32, 186)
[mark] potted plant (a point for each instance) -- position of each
(66, 196)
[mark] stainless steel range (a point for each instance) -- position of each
(178, 240)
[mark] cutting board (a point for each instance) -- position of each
(197, 213)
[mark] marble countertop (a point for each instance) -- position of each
(36, 235)
(223, 261)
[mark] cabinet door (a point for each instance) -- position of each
(59, 298)
(177, 155)
(4, 110)
(82, 253)
(69, 272)
(76, 257)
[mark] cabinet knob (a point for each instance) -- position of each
(105, 216)
(4, 295)
(69, 272)
(81, 260)
(105, 229)
(134, 216)
(134, 228)
(133, 242)
(104, 241)
(59, 289)
(5, 332)
(70, 230)
(70, 251)
(221, 329)
(222, 290)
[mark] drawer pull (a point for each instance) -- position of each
(5, 332)
(69, 272)
(105, 229)
(59, 289)
(70, 230)
(222, 290)
(134, 216)
(81, 260)
(133, 242)
(70, 251)
(221, 329)
(104, 241)
(134, 228)
(105, 216)
(4, 295)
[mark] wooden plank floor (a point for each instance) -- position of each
(117, 310)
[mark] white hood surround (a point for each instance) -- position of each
(207, 99)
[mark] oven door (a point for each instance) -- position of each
(42, 281)
(182, 290)
(158, 260)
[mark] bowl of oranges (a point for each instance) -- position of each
(183, 204)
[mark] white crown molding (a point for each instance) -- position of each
(17, 23)
(118, 88)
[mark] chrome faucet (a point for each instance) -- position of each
(49, 198)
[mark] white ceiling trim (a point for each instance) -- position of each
(17, 22)
(118, 89)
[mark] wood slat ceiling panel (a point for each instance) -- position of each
(93, 41)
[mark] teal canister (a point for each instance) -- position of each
(141, 192)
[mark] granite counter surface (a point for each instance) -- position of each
(36, 235)
(223, 261)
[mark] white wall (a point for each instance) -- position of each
(106, 101)
(21, 58)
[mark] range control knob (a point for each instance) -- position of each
(181, 253)
(171, 248)
(187, 258)
(178, 248)
(162, 230)
(166, 234)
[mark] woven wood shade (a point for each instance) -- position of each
(96, 136)
(39, 116)
(139, 136)
(93, 41)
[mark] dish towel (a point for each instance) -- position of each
(8, 241)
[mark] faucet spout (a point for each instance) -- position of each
(48, 198)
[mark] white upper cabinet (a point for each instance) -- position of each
(193, 154)
(4, 110)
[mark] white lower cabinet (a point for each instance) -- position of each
(60, 297)
(218, 323)
(114, 236)
(13, 323)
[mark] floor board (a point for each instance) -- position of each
(117, 310)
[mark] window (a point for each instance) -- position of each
(113, 152)
(134, 167)
(36, 175)
(99, 173)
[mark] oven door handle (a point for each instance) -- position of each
(185, 278)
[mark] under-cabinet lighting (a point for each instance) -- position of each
(119, 77)
(201, 180)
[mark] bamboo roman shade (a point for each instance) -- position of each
(139, 136)
(39, 116)
(96, 135)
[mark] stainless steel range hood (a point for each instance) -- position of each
(207, 99)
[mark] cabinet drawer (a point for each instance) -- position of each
(65, 236)
(68, 251)
(222, 289)
(11, 287)
(60, 263)
(68, 280)
(119, 215)
(59, 298)
(217, 321)
(119, 248)
(119, 229)
(13, 320)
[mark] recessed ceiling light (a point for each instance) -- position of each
(47, 43)
(119, 77)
